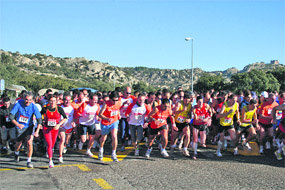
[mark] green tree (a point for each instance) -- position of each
(256, 80)
(208, 81)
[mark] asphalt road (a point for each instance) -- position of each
(247, 171)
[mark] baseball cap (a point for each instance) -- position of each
(264, 94)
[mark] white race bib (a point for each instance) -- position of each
(7, 119)
(180, 119)
(23, 119)
(51, 122)
(228, 120)
(114, 113)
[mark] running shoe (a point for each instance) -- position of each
(261, 151)
(51, 165)
(17, 158)
(186, 152)
(64, 150)
(80, 145)
(219, 154)
(147, 154)
(195, 157)
(225, 144)
(160, 146)
(137, 152)
(100, 155)
(164, 154)
(180, 144)
(235, 151)
(60, 160)
(29, 165)
(89, 153)
(278, 155)
(267, 145)
(114, 157)
(46, 155)
(246, 145)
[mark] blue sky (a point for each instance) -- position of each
(148, 33)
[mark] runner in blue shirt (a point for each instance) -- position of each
(22, 116)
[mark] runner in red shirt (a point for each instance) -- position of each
(110, 115)
(265, 121)
(52, 121)
(158, 123)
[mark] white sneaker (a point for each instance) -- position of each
(164, 154)
(235, 151)
(186, 152)
(64, 150)
(114, 157)
(219, 154)
(51, 165)
(180, 145)
(261, 150)
(80, 145)
(225, 144)
(267, 145)
(246, 145)
(100, 155)
(60, 160)
(89, 153)
(137, 152)
(147, 154)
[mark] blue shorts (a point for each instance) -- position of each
(105, 129)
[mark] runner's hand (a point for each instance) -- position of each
(21, 126)
(56, 127)
(145, 125)
(174, 127)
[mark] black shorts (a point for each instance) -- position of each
(265, 126)
(200, 127)
(22, 134)
(155, 131)
(181, 126)
(83, 129)
(224, 128)
(242, 129)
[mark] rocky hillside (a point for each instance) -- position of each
(86, 70)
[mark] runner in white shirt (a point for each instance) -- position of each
(88, 117)
(126, 100)
(65, 131)
(136, 114)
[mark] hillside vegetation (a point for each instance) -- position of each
(41, 71)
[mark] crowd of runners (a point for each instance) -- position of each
(182, 119)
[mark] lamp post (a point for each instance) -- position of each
(188, 39)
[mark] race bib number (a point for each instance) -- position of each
(138, 117)
(279, 115)
(51, 122)
(91, 115)
(23, 119)
(114, 113)
(228, 120)
(201, 117)
(7, 119)
(180, 119)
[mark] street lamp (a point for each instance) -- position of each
(188, 39)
